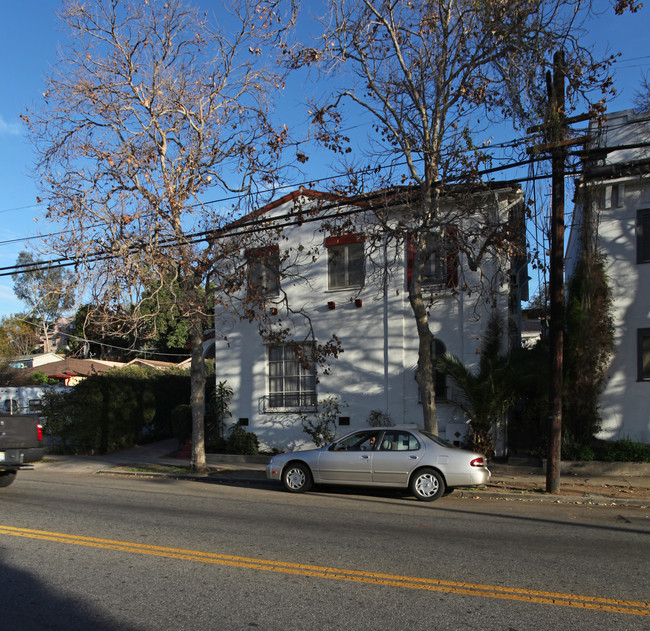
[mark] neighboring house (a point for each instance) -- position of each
(59, 333)
(33, 361)
(533, 327)
(69, 371)
(613, 209)
(334, 284)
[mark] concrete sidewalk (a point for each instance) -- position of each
(584, 483)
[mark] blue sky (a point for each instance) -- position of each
(28, 44)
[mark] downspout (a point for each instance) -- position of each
(386, 323)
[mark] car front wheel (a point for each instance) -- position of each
(297, 477)
(427, 485)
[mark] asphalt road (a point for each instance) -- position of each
(79, 551)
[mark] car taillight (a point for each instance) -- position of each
(39, 431)
(477, 462)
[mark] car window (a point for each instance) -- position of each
(399, 441)
(363, 441)
(436, 439)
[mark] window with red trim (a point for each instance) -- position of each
(441, 266)
(345, 261)
(264, 270)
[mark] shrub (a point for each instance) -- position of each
(624, 450)
(571, 450)
(39, 378)
(116, 410)
(322, 428)
(220, 398)
(242, 442)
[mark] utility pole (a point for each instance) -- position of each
(556, 127)
(557, 143)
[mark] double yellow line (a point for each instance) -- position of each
(374, 578)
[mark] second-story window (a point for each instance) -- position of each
(264, 271)
(643, 236)
(345, 261)
(643, 354)
(441, 266)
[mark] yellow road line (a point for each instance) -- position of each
(408, 582)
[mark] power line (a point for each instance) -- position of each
(503, 145)
(208, 235)
(242, 228)
(306, 183)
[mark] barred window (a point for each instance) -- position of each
(292, 377)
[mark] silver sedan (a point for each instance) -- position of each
(394, 457)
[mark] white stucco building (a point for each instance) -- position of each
(334, 282)
(614, 210)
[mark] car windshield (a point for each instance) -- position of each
(436, 439)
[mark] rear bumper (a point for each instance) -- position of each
(476, 477)
(20, 458)
(482, 476)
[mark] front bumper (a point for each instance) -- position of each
(273, 471)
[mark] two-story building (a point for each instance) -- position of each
(325, 282)
(613, 211)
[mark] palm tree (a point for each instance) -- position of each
(486, 394)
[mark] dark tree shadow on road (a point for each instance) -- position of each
(29, 605)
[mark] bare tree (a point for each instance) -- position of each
(642, 96)
(152, 107)
(433, 76)
(48, 292)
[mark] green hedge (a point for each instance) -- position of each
(623, 450)
(116, 410)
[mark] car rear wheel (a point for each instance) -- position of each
(297, 477)
(427, 485)
(6, 478)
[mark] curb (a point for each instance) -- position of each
(458, 493)
(589, 500)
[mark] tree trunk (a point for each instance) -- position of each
(425, 371)
(197, 397)
(424, 376)
(46, 337)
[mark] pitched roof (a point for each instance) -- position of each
(69, 367)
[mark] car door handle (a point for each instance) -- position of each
(365, 457)
(413, 457)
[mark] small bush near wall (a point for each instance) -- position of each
(242, 442)
(623, 450)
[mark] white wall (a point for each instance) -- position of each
(376, 369)
(625, 402)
